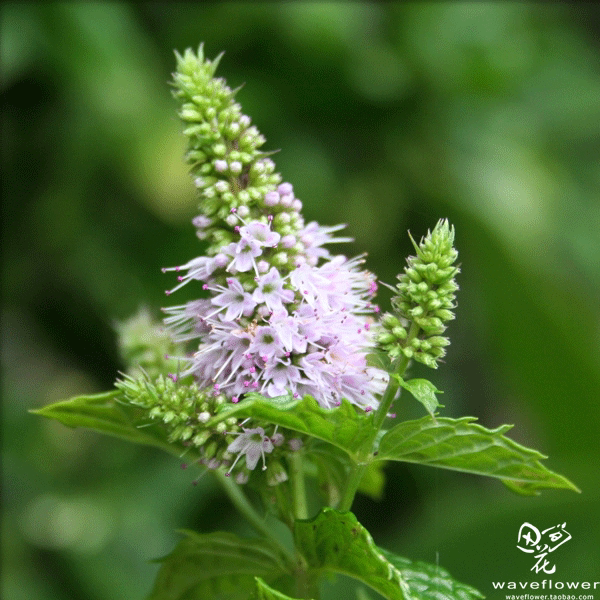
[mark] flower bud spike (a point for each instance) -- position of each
(214, 63)
(425, 297)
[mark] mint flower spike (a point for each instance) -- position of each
(186, 410)
(283, 315)
(229, 170)
(425, 299)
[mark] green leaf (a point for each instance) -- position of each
(462, 445)
(106, 414)
(423, 390)
(362, 594)
(431, 582)
(220, 566)
(343, 426)
(266, 592)
(381, 360)
(336, 542)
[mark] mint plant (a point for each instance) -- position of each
(283, 370)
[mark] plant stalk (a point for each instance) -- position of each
(298, 486)
(391, 391)
(239, 500)
(398, 368)
(306, 586)
(352, 483)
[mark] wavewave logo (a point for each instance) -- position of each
(544, 542)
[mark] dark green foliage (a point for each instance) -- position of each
(220, 566)
(462, 445)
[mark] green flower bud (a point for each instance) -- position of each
(425, 299)
(424, 345)
(186, 433)
(444, 314)
(426, 359)
(386, 338)
(283, 218)
(156, 413)
(439, 341)
(280, 259)
(169, 416)
(210, 450)
(394, 351)
(399, 332)
(201, 438)
(390, 321)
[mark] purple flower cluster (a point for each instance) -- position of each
(273, 328)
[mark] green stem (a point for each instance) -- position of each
(352, 483)
(358, 470)
(239, 500)
(306, 585)
(391, 391)
(298, 487)
(398, 368)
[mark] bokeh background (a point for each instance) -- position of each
(388, 116)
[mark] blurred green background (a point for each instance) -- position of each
(388, 116)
